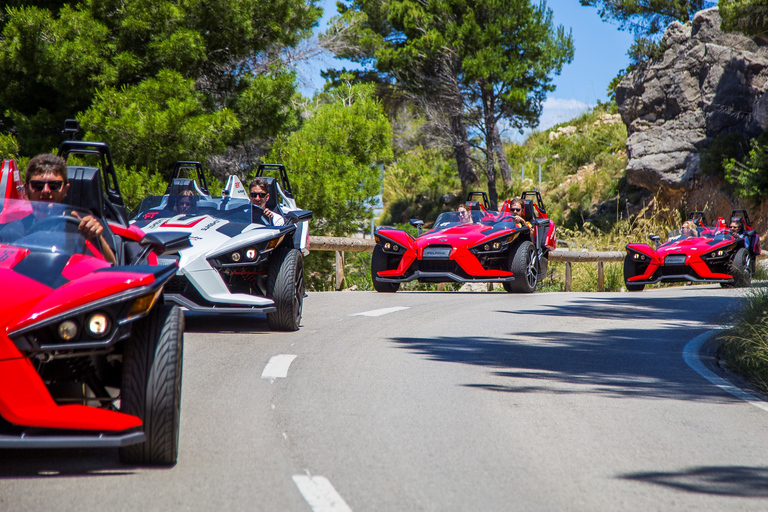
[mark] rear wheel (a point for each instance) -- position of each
(151, 387)
(285, 285)
(523, 264)
(379, 263)
(630, 271)
(739, 268)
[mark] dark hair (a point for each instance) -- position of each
(259, 182)
(45, 163)
(517, 200)
(739, 221)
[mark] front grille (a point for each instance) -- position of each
(675, 270)
(177, 284)
(438, 266)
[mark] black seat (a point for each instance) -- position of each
(181, 184)
(273, 195)
(528, 210)
(86, 192)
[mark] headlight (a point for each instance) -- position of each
(98, 325)
(387, 245)
(495, 245)
(639, 257)
(67, 330)
(235, 256)
(251, 254)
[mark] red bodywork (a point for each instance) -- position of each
(466, 261)
(687, 259)
(37, 295)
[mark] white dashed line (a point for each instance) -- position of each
(277, 367)
(320, 494)
(380, 312)
(691, 356)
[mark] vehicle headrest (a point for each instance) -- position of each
(85, 189)
(272, 190)
(181, 184)
(474, 205)
(528, 210)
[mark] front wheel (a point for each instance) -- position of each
(151, 387)
(524, 265)
(379, 263)
(739, 268)
(630, 271)
(285, 284)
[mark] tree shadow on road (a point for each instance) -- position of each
(615, 358)
(246, 323)
(737, 481)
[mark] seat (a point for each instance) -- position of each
(528, 210)
(86, 192)
(273, 195)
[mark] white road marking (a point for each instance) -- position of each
(380, 312)
(277, 367)
(691, 356)
(320, 494)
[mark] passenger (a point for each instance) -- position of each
(259, 196)
(465, 215)
(687, 230)
(46, 181)
(185, 203)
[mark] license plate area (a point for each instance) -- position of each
(676, 259)
(436, 253)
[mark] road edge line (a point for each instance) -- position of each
(691, 355)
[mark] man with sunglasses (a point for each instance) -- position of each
(46, 181)
(516, 206)
(259, 197)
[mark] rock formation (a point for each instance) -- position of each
(707, 83)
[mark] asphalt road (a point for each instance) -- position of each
(442, 402)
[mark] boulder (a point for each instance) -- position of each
(707, 83)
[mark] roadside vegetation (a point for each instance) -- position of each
(744, 346)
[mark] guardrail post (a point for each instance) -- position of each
(339, 270)
(568, 276)
(600, 276)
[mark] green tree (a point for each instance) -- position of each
(465, 58)
(647, 17)
(335, 158)
(749, 17)
(55, 57)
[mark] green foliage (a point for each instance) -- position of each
(415, 184)
(157, 122)
(9, 148)
(335, 157)
(745, 345)
(750, 177)
(138, 183)
(647, 17)
(749, 17)
(59, 59)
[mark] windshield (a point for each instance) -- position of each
(41, 226)
(163, 207)
(448, 219)
(708, 233)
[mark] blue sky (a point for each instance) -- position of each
(600, 52)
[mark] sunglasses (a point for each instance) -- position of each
(39, 185)
(258, 195)
(515, 209)
(185, 204)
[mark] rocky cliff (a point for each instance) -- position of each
(707, 83)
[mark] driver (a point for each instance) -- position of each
(687, 230)
(736, 227)
(46, 181)
(259, 196)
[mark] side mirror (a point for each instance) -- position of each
(166, 243)
(299, 216)
(655, 239)
(418, 224)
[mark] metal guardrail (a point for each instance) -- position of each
(341, 244)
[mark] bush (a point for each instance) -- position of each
(745, 346)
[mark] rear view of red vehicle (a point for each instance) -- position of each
(89, 354)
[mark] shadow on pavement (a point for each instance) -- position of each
(741, 481)
(611, 359)
(61, 463)
(250, 323)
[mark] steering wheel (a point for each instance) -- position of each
(51, 222)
